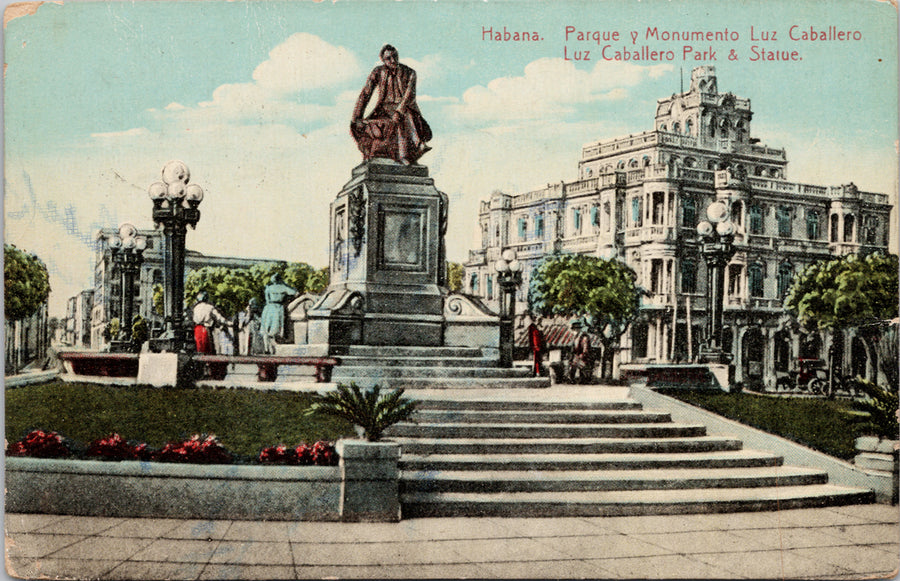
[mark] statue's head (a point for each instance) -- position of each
(202, 297)
(389, 56)
(276, 278)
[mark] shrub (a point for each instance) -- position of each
(881, 405)
(114, 447)
(40, 444)
(197, 450)
(371, 411)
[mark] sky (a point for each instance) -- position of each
(256, 97)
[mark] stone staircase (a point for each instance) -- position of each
(512, 457)
(428, 367)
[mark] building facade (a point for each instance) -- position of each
(639, 199)
(107, 291)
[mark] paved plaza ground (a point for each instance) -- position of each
(851, 542)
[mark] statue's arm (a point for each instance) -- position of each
(409, 95)
(364, 96)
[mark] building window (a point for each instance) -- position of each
(688, 276)
(756, 219)
(734, 280)
(636, 211)
(872, 230)
(523, 228)
(812, 225)
(834, 227)
(688, 127)
(639, 340)
(659, 207)
(595, 216)
(473, 283)
(576, 220)
(784, 221)
(785, 277)
(607, 217)
(539, 226)
(737, 213)
(848, 228)
(755, 279)
(656, 276)
(688, 213)
(490, 287)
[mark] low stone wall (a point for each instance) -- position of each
(363, 487)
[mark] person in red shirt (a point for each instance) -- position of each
(536, 340)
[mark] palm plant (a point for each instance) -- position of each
(368, 409)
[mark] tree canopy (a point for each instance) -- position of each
(849, 291)
(26, 284)
(455, 273)
(602, 292)
(230, 289)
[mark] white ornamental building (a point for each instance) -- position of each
(639, 199)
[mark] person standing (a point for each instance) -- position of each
(251, 342)
(206, 318)
(272, 322)
(536, 340)
(582, 362)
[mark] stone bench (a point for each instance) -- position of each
(268, 365)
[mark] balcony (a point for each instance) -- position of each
(651, 234)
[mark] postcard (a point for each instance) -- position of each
(562, 228)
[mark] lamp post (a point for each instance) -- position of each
(175, 207)
(127, 251)
(509, 277)
(717, 237)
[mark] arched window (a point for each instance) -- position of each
(755, 279)
(621, 165)
(834, 227)
(848, 228)
(726, 128)
(662, 127)
(632, 163)
(676, 127)
(646, 161)
(812, 225)
(783, 215)
(688, 127)
(785, 277)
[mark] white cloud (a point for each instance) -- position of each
(551, 88)
(304, 62)
(136, 132)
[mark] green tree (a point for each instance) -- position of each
(159, 299)
(850, 291)
(455, 273)
(602, 292)
(26, 283)
(318, 282)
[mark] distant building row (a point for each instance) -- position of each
(89, 312)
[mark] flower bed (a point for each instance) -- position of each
(198, 449)
(363, 487)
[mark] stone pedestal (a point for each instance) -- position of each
(370, 490)
(387, 261)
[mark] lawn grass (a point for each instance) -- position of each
(245, 421)
(829, 426)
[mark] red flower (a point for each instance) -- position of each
(39, 444)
